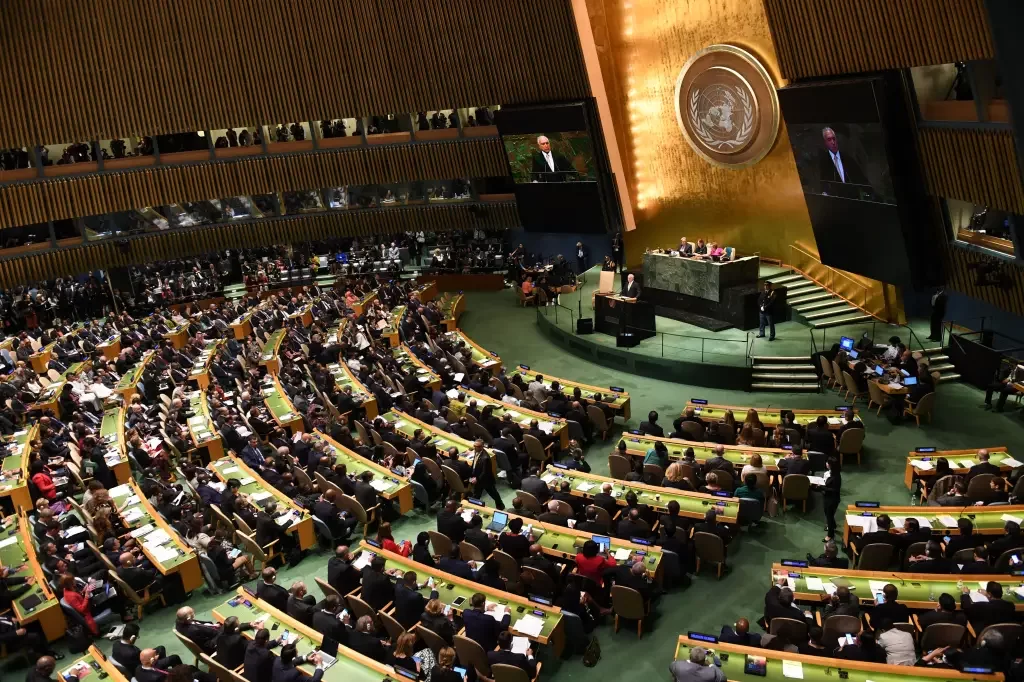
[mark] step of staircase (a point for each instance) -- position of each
(821, 305)
(941, 367)
(788, 377)
(809, 298)
(773, 386)
(830, 312)
(785, 279)
(778, 358)
(802, 287)
(835, 322)
(780, 368)
(949, 377)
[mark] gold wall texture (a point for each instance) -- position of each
(643, 44)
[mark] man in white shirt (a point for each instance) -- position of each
(537, 390)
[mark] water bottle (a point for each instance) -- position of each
(914, 493)
(931, 593)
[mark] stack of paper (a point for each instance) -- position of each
(158, 537)
(1011, 462)
(9, 541)
(246, 480)
(867, 524)
(814, 584)
(163, 554)
(261, 495)
(922, 465)
(946, 520)
(229, 470)
(816, 480)
(133, 515)
(1010, 517)
(380, 485)
(120, 490)
(622, 554)
(142, 530)
(793, 669)
(363, 560)
(283, 520)
(584, 486)
(467, 515)
(529, 625)
(520, 645)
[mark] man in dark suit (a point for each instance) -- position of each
(553, 516)
(476, 536)
(632, 526)
(481, 627)
(451, 523)
(606, 500)
(541, 562)
(231, 643)
(535, 486)
(284, 668)
(504, 655)
(882, 535)
(301, 604)
(591, 524)
(651, 426)
(548, 166)
(365, 493)
(363, 640)
(326, 509)
(945, 612)
(409, 603)
(766, 311)
(564, 494)
(126, 653)
(794, 463)
(340, 573)
(138, 577)
(978, 565)
(454, 564)
(834, 166)
(819, 438)
(739, 634)
(890, 609)
(994, 610)
(829, 558)
(983, 466)
(1012, 539)
(778, 603)
(377, 588)
(932, 562)
(259, 659)
(630, 289)
(268, 530)
(324, 619)
(204, 634)
(269, 591)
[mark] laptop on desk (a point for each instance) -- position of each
(328, 651)
(498, 522)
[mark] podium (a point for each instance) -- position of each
(622, 317)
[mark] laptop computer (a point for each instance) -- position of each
(878, 370)
(328, 651)
(498, 523)
(603, 543)
(854, 354)
(910, 381)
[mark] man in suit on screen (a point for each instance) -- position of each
(549, 166)
(834, 166)
(630, 289)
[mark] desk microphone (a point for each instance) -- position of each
(902, 581)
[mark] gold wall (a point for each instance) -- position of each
(643, 44)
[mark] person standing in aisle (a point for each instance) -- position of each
(830, 496)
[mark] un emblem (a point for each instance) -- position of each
(726, 106)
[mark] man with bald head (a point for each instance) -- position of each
(541, 562)
(983, 466)
(203, 633)
(43, 670)
(740, 634)
(548, 166)
(137, 577)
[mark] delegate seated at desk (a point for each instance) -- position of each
(630, 289)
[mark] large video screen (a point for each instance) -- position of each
(551, 157)
(853, 145)
(556, 168)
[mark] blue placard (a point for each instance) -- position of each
(559, 466)
(372, 542)
(616, 389)
(926, 449)
(867, 504)
(723, 493)
(526, 367)
(473, 500)
(699, 401)
(842, 408)
(636, 432)
(640, 541)
(795, 563)
(701, 637)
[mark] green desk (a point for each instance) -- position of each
(637, 445)
(451, 310)
(770, 417)
(450, 588)
(360, 306)
(390, 486)
(90, 660)
(269, 358)
(14, 475)
(391, 331)
(343, 377)
(522, 416)
(563, 543)
(478, 356)
(691, 504)
(442, 440)
(819, 668)
(350, 665)
(200, 372)
(411, 364)
(130, 379)
(201, 427)
(112, 435)
(280, 405)
(618, 400)
(917, 590)
(19, 552)
(253, 486)
(921, 465)
(169, 556)
(986, 520)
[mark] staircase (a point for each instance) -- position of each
(939, 362)
(782, 373)
(815, 305)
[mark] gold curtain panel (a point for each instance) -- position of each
(103, 69)
(963, 279)
(179, 244)
(972, 165)
(829, 37)
(71, 197)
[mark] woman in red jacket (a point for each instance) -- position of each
(78, 600)
(592, 564)
(41, 478)
(387, 541)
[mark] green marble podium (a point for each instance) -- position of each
(697, 277)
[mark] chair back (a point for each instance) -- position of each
(502, 672)
(942, 634)
(602, 515)
(482, 433)
(72, 616)
(654, 474)
(597, 418)
(943, 486)
(196, 650)
(434, 469)
(434, 641)
(709, 547)
(392, 626)
(963, 556)
(925, 406)
(564, 508)
(470, 552)
(242, 525)
(619, 466)
(360, 608)
(876, 394)
(363, 435)
(836, 626)
(327, 589)
(1002, 564)
(751, 511)
(875, 557)
(222, 673)
(126, 589)
(693, 431)
(301, 477)
(851, 441)
(541, 583)
(826, 367)
(250, 546)
(978, 489)
(210, 573)
(507, 564)
(627, 603)
(322, 531)
(440, 543)
(472, 654)
(791, 628)
(915, 549)
(725, 479)
(795, 487)
(837, 373)
(377, 440)
(1011, 633)
(355, 508)
(534, 449)
(103, 557)
(454, 481)
(851, 384)
(530, 502)
(391, 451)
(689, 474)
(764, 482)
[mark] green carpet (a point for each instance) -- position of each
(495, 321)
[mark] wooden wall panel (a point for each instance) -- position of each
(177, 244)
(99, 69)
(77, 196)
(830, 37)
(963, 278)
(972, 165)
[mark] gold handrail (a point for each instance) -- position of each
(833, 272)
